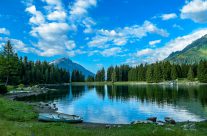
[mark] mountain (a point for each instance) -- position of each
(69, 65)
(193, 53)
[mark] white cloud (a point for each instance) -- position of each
(88, 23)
(37, 17)
(178, 27)
(50, 31)
(79, 14)
(53, 39)
(80, 8)
(152, 43)
(70, 45)
(144, 52)
(57, 15)
(55, 9)
(52, 34)
(91, 53)
(53, 2)
(111, 51)
(168, 16)
(122, 36)
(178, 44)
(4, 31)
(195, 10)
(17, 44)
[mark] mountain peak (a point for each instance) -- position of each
(70, 66)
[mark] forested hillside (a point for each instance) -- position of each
(193, 53)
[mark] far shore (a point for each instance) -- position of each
(181, 82)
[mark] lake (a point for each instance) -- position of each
(125, 103)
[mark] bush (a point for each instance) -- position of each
(21, 86)
(3, 89)
(10, 87)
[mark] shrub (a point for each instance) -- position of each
(21, 86)
(10, 87)
(3, 89)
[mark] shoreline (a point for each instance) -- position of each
(170, 83)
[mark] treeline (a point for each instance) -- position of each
(154, 73)
(15, 70)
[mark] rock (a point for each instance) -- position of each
(170, 120)
(148, 122)
(190, 126)
(46, 104)
(141, 122)
(108, 126)
(133, 122)
(160, 123)
(153, 119)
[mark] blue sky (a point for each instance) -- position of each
(97, 33)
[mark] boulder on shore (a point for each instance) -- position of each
(160, 123)
(142, 122)
(153, 119)
(170, 120)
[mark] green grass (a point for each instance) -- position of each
(17, 111)
(19, 119)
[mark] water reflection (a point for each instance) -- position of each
(123, 104)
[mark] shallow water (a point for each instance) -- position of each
(123, 104)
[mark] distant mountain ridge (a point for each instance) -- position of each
(69, 65)
(193, 53)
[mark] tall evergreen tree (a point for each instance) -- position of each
(10, 64)
(166, 68)
(157, 73)
(202, 72)
(190, 74)
(109, 73)
(100, 75)
(90, 79)
(113, 76)
(149, 74)
(174, 74)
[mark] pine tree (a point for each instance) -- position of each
(109, 73)
(157, 73)
(141, 73)
(90, 79)
(100, 75)
(190, 74)
(113, 76)
(174, 74)
(166, 68)
(9, 64)
(202, 72)
(149, 74)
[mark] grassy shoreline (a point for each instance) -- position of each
(180, 82)
(20, 119)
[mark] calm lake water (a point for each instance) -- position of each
(123, 104)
